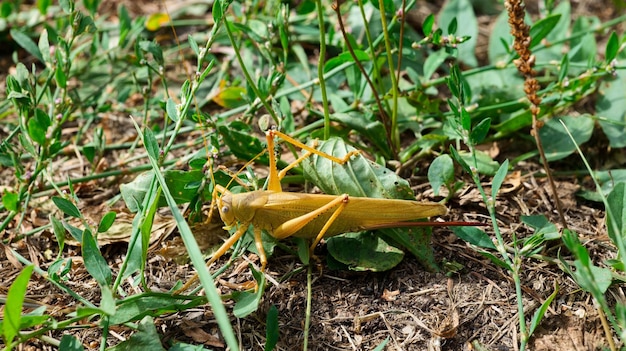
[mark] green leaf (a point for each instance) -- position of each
(66, 206)
(172, 111)
(364, 252)
(484, 164)
(217, 11)
(14, 301)
(462, 11)
(156, 304)
(564, 68)
(151, 144)
(556, 143)
(541, 311)
(106, 222)
(542, 28)
(44, 46)
(441, 172)
(60, 77)
(427, 26)
(382, 345)
(479, 132)
(500, 40)
(70, 343)
(27, 44)
(616, 213)
(271, 332)
(38, 126)
(231, 97)
(184, 185)
(433, 62)
(611, 108)
(474, 236)
(96, 265)
(9, 200)
(362, 178)
(457, 157)
(59, 231)
(612, 47)
(498, 179)
(145, 338)
(249, 302)
(241, 142)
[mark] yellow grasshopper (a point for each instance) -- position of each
(311, 216)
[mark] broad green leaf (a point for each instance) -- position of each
(433, 62)
(9, 200)
(38, 126)
(96, 265)
(441, 172)
(241, 142)
(60, 77)
(249, 302)
(70, 343)
(556, 143)
(151, 144)
(217, 11)
(363, 178)
(500, 40)
(145, 338)
(484, 164)
(172, 110)
(583, 49)
(66, 206)
(611, 108)
(464, 13)
(364, 252)
(14, 301)
(474, 236)
(106, 222)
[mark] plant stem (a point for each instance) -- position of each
(320, 67)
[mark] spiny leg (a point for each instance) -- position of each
(344, 201)
(221, 251)
(275, 176)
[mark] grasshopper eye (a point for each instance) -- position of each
(225, 209)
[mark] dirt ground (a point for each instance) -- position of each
(414, 309)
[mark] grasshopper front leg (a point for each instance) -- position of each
(221, 251)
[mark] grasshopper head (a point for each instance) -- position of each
(225, 206)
